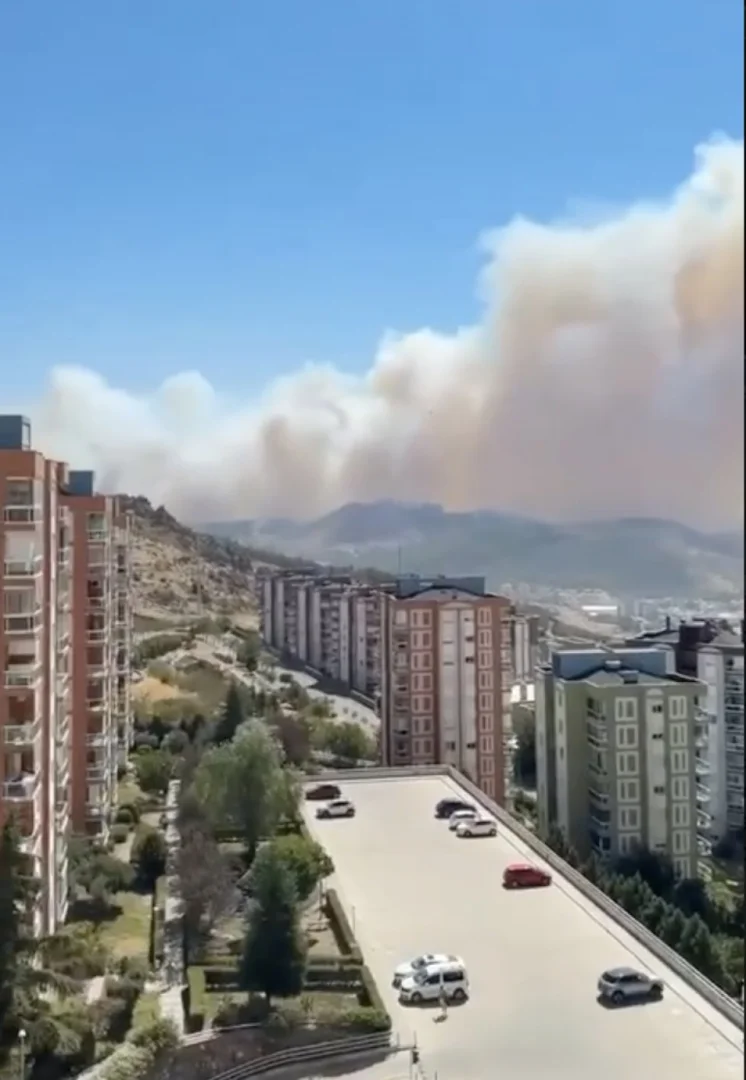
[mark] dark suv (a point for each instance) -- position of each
(446, 807)
(323, 793)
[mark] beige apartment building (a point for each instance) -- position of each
(58, 688)
(619, 764)
(446, 676)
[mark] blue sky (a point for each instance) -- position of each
(240, 186)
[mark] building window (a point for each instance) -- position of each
(629, 817)
(628, 790)
(486, 722)
(677, 707)
(682, 868)
(626, 735)
(486, 744)
(659, 789)
(450, 746)
(681, 839)
(680, 787)
(484, 659)
(485, 639)
(628, 763)
(679, 733)
(484, 616)
(630, 710)
(487, 766)
(400, 618)
(656, 707)
(486, 702)
(485, 680)
(681, 814)
(680, 761)
(628, 842)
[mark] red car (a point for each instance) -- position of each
(525, 876)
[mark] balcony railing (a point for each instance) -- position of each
(21, 734)
(23, 569)
(22, 514)
(97, 738)
(96, 635)
(702, 767)
(23, 623)
(96, 705)
(23, 675)
(97, 535)
(96, 773)
(703, 793)
(21, 789)
(96, 602)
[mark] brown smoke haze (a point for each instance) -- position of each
(605, 378)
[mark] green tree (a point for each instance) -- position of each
(274, 954)
(697, 945)
(154, 769)
(249, 650)
(672, 927)
(231, 716)
(653, 914)
(148, 855)
(304, 858)
(243, 785)
(294, 735)
(207, 890)
(524, 761)
(348, 742)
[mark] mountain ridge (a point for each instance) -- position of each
(628, 555)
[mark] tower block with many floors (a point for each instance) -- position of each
(64, 641)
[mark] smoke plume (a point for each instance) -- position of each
(605, 378)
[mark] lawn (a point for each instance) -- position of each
(147, 1009)
(128, 934)
(203, 682)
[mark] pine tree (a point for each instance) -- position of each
(697, 945)
(274, 954)
(653, 914)
(17, 892)
(672, 927)
(231, 717)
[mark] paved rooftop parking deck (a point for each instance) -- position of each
(533, 956)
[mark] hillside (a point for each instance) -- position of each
(626, 556)
(179, 573)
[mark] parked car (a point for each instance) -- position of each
(625, 984)
(336, 808)
(419, 963)
(427, 983)
(525, 876)
(323, 792)
(459, 816)
(476, 826)
(446, 807)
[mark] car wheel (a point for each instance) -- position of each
(459, 995)
(617, 997)
(656, 992)
(416, 998)
(493, 832)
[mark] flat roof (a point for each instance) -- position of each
(534, 957)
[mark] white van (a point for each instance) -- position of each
(427, 983)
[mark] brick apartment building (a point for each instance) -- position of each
(65, 642)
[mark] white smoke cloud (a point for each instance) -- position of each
(606, 377)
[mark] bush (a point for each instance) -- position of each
(156, 1036)
(343, 977)
(123, 988)
(369, 996)
(127, 814)
(119, 833)
(129, 1062)
(364, 1019)
(158, 922)
(341, 928)
(226, 979)
(195, 999)
(230, 1013)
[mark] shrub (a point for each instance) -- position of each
(230, 1013)
(369, 996)
(123, 988)
(195, 999)
(341, 928)
(119, 833)
(156, 1036)
(127, 814)
(364, 1019)
(129, 1062)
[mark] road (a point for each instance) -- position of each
(533, 957)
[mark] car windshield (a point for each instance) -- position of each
(420, 977)
(419, 962)
(610, 976)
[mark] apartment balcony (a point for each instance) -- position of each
(704, 820)
(599, 824)
(21, 735)
(704, 846)
(22, 788)
(24, 623)
(97, 738)
(96, 705)
(97, 634)
(703, 793)
(702, 766)
(23, 514)
(30, 842)
(97, 601)
(595, 793)
(734, 741)
(97, 535)
(25, 676)
(64, 559)
(97, 774)
(23, 569)
(97, 810)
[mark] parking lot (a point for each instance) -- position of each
(533, 956)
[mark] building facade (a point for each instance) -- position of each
(619, 759)
(57, 674)
(446, 677)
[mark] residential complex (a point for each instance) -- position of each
(620, 758)
(714, 654)
(64, 644)
(434, 655)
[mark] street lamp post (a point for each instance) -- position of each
(22, 1045)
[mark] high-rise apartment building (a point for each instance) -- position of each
(619, 758)
(713, 652)
(526, 648)
(60, 542)
(446, 678)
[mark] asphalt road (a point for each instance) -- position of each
(533, 957)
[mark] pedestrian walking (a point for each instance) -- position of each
(443, 998)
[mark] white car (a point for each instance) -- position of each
(336, 808)
(458, 816)
(419, 963)
(428, 983)
(478, 826)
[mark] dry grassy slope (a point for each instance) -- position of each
(179, 573)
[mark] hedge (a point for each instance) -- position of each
(341, 928)
(194, 999)
(158, 921)
(369, 996)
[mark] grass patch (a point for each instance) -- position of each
(128, 791)
(204, 682)
(147, 1009)
(128, 933)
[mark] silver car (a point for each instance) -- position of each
(625, 984)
